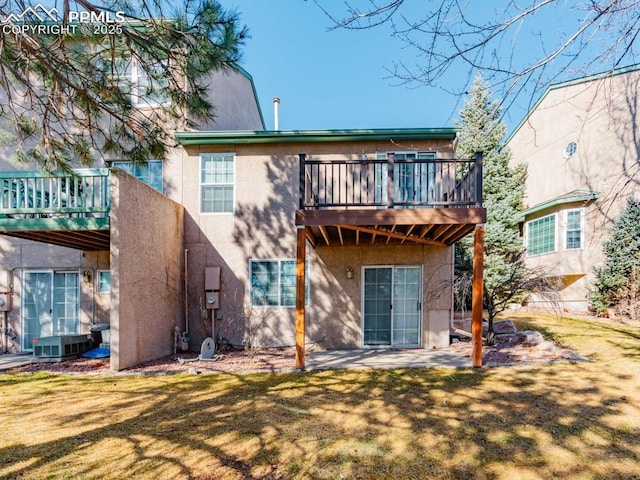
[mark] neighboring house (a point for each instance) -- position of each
(341, 238)
(55, 268)
(580, 143)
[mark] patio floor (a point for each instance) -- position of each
(387, 358)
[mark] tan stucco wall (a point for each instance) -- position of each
(262, 227)
(601, 116)
(146, 271)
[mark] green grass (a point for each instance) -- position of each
(574, 421)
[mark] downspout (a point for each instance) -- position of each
(184, 341)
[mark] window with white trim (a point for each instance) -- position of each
(149, 172)
(273, 283)
(146, 84)
(573, 229)
(541, 235)
(217, 182)
(104, 281)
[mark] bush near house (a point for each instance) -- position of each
(617, 284)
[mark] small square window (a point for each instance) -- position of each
(104, 281)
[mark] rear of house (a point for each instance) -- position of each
(378, 209)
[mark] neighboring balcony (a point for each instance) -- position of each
(69, 209)
(429, 201)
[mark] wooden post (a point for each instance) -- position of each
(301, 243)
(477, 295)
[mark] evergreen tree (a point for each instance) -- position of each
(67, 93)
(505, 275)
(618, 280)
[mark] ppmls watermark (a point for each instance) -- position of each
(39, 20)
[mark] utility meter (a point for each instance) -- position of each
(212, 300)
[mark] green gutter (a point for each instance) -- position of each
(313, 136)
(554, 202)
(569, 83)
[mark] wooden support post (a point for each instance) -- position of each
(477, 295)
(301, 243)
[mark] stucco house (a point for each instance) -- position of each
(580, 145)
(341, 238)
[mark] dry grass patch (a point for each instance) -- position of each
(577, 421)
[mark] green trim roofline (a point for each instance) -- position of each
(313, 136)
(569, 83)
(576, 196)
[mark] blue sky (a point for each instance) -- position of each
(331, 79)
(334, 79)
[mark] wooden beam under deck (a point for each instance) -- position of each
(390, 234)
(388, 217)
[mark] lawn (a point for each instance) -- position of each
(574, 421)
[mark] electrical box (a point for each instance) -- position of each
(212, 300)
(212, 278)
(5, 302)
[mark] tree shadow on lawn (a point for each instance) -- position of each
(484, 424)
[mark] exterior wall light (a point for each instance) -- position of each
(86, 275)
(349, 273)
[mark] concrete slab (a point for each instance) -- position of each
(388, 358)
(11, 360)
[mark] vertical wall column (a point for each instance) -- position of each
(477, 295)
(301, 244)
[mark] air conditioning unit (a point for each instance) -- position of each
(60, 346)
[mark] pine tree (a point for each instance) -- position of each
(66, 96)
(618, 280)
(505, 274)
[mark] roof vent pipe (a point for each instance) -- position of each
(276, 113)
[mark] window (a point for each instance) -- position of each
(541, 235)
(217, 183)
(273, 283)
(573, 221)
(104, 281)
(149, 172)
(571, 149)
(147, 85)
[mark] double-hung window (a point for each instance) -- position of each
(273, 283)
(217, 182)
(541, 235)
(573, 229)
(149, 172)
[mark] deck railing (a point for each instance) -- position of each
(391, 183)
(81, 193)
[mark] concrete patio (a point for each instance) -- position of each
(13, 360)
(387, 358)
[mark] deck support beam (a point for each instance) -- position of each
(301, 243)
(477, 295)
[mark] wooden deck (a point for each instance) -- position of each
(69, 209)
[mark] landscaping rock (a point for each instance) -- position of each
(465, 325)
(572, 356)
(546, 346)
(530, 337)
(504, 326)
(462, 324)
